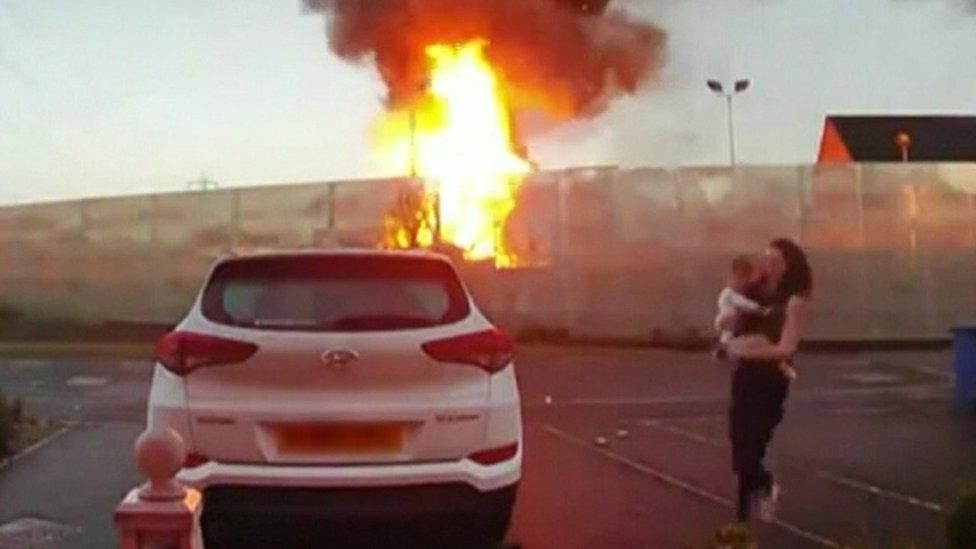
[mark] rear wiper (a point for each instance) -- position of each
(285, 323)
(381, 322)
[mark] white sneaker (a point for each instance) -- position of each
(769, 504)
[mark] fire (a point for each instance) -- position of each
(457, 138)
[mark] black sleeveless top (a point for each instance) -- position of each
(770, 325)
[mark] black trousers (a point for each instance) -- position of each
(759, 390)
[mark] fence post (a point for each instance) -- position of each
(162, 513)
(154, 280)
(859, 180)
(235, 220)
(801, 199)
(564, 261)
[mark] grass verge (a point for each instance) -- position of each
(19, 432)
(29, 432)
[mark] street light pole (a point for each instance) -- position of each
(738, 87)
(728, 101)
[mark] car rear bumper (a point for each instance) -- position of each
(422, 516)
(409, 502)
(461, 472)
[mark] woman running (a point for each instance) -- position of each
(760, 383)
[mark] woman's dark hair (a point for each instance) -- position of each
(798, 278)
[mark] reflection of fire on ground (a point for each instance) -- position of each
(455, 72)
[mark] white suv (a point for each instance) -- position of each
(342, 384)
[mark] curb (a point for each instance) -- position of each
(10, 460)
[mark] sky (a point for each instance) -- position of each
(108, 97)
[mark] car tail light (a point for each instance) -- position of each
(492, 456)
(490, 350)
(194, 459)
(182, 352)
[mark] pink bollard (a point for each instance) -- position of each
(161, 514)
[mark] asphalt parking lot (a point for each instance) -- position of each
(869, 451)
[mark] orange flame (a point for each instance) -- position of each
(457, 139)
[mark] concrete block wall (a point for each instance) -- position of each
(605, 252)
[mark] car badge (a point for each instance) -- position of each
(339, 359)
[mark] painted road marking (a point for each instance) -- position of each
(811, 396)
(941, 373)
(682, 485)
(864, 411)
(819, 473)
(618, 401)
(872, 378)
(86, 381)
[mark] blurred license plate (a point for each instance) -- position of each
(341, 439)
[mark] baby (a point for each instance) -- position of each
(733, 301)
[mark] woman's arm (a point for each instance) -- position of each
(758, 347)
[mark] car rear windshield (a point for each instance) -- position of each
(338, 293)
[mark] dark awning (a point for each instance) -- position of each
(874, 139)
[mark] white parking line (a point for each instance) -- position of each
(682, 485)
(819, 473)
(639, 401)
(86, 381)
(686, 433)
(808, 396)
(940, 373)
(659, 475)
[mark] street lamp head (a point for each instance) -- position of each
(715, 86)
(903, 140)
(741, 85)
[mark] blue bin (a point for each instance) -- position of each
(964, 365)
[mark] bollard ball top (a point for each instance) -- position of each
(160, 453)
